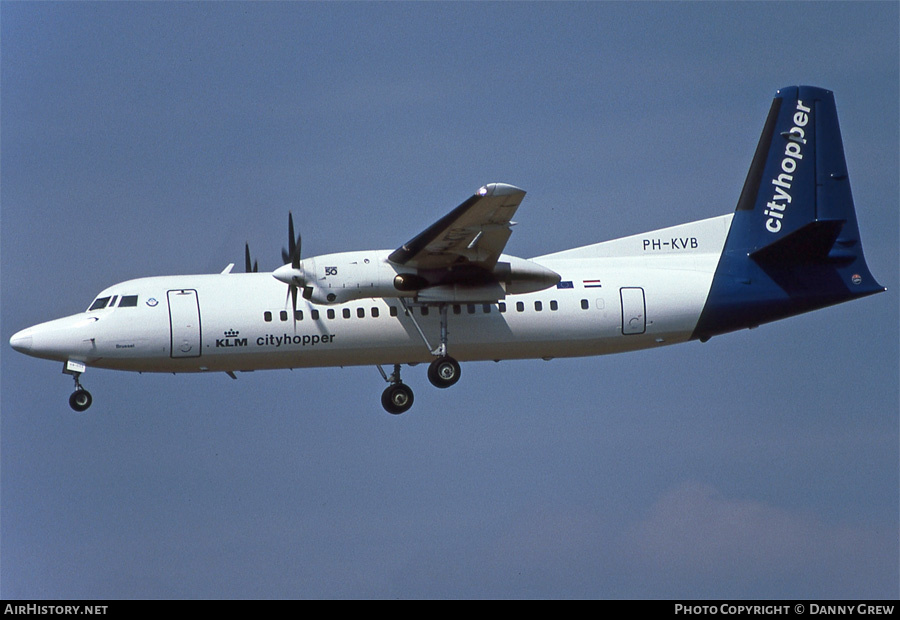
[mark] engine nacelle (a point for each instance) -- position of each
(338, 278)
(519, 275)
(343, 277)
(406, 282)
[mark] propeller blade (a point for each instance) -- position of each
(292, 294)
(291, 278)
(291, 233)
(294, 244)
(247, 266)
(292, 254)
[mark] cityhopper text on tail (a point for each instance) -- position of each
(450, 294)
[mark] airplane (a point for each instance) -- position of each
(450, 294)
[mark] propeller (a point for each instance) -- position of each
(292, 254)
(291, 272)
(247, 266)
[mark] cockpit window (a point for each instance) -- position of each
(99, 303)
(128, 301)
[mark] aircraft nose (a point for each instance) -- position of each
(59, 339)
(21, 341)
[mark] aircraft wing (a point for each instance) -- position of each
(475, 232)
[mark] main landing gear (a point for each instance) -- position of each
(442, 372)
(80, 399)
(397, 398)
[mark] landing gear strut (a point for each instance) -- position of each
(444, 371)
(397, 398)
(80, 399)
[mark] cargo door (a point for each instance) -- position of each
(634, 311)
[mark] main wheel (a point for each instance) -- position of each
(443, 372)
(80, 400)
(397, 398)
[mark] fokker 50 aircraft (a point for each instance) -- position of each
(791, 246)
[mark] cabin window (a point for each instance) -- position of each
(538, 306)
(267, 316)
(330, 313)
(470, 308)
(520, 306)
(99, 303)
(554, 306)
(314, 315)
(584, 304)
(283, 315)
(424, 310)
(346, 313)
(298, 315)
(486, 308)
(361, 313)
(457, 309)
(374, 312)
(393, 311)
(501, 306)
(128, 301)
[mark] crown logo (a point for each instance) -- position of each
(231, 333)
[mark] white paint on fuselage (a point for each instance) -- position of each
(673, 267)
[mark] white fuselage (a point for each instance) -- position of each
(631, 293)
(450, 294)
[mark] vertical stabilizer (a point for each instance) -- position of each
(794, 242)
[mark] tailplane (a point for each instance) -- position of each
(794, 242)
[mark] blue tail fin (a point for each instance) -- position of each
(794, 242)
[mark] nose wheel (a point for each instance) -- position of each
(80, 399)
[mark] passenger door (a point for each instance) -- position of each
(184, 321)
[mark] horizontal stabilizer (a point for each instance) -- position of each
(811, 243)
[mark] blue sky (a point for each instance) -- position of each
(155, 138)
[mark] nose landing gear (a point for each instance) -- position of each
(80, 399)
